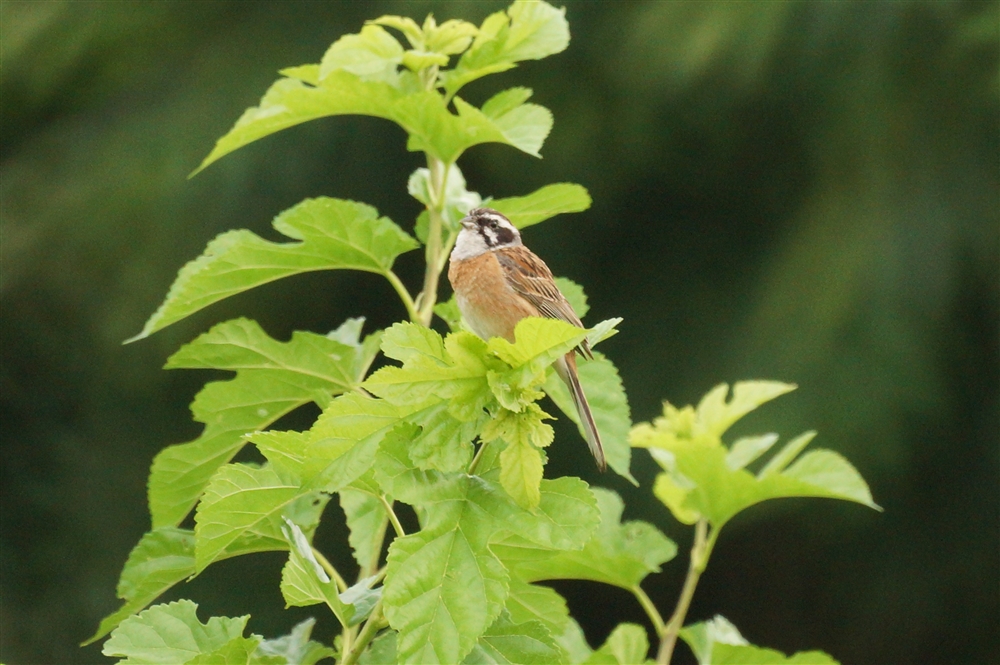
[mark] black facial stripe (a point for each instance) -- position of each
(505, 235)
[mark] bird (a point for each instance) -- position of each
(498, 281)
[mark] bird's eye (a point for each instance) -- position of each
(493, 223)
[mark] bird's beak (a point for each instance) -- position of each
(467, 222)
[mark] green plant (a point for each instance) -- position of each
(453, 430)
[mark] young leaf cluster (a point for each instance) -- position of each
(451, 426)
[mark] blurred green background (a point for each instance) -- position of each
(802, 191)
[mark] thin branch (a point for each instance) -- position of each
(404, 295)
(651, 611)
(330, 570)
(699, 560)
(475, 460)
(375, 623)
(435, 209)
(392, 516)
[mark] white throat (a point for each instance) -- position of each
(469, 245)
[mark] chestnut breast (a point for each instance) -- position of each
(487, 302)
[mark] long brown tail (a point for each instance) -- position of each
(566, 369)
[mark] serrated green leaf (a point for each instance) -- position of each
(507, 642)
(415, 60)
(423, 114)
(621, 554)
(626, 645)
(539, 343)
(304, 582)
(608, 403)
(521, 463)
(246, 503)
(404, 24)
(532, 602)
(381, 651)
(444, 586)
(525, 427)
(171, 633)
(367, 520)
(744, 451)
(718, 642)
(462, 374)
(340, 446)
(305, 73)
(780, 461)
(444, 442)
(521, 473)
(450, 314)
(408, 342)
(160, 560)
(237, 651)
(451, 37)
(443, 589)
(371, 55)
(542, 204)
(272, 379)
(527, 31)
(700, 479)
(330, 234)
(716, 415)
(296, 647)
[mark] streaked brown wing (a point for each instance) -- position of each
(531, 279)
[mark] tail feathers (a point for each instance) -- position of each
(566, 368)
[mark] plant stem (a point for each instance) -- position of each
(700, 551)
(372, 626)
(651, 611)
(475, 460)
(404, 295)
(330, 570)
(392, 516)
(435, 263)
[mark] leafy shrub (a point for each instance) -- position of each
(454, 430)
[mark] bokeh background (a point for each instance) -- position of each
(803, 191)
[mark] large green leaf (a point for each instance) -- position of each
(423, 114)
(718, 642)
(296, 647)
(507, 643)
(444, 586)
(172, 633)
(626, 645)
(272, 378)
(162, 558)
(467, 376)
(433, 368)
(245, 503)
(704, 479)
(367, 522)
(528, 30)
(621, 554)
(304, 582)
(329, 233)
(540, 205)
(533, 602)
